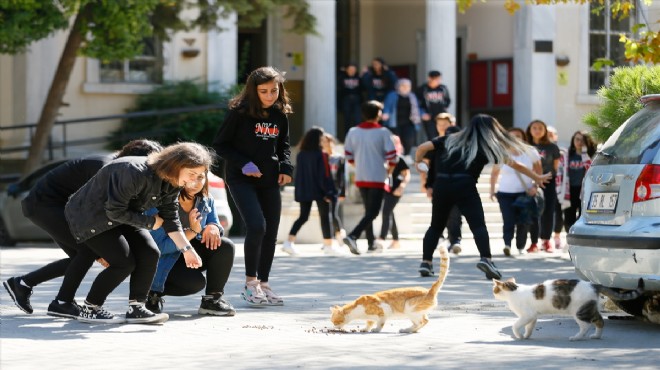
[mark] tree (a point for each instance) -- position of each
(115, 30)
(643, 48)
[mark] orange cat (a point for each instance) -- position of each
(413, 303)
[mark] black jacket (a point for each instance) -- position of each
(119, 194)
(264, 141)
(313, 179)
(55, 188)
(433, 101)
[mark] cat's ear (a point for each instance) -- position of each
(497, 282)
(334, 308)
(511, 280)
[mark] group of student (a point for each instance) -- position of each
(561, 198)
(145, 212)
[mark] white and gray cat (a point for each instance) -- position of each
(563, 297)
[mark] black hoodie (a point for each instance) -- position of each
(264, 141)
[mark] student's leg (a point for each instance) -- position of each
(441, 203)
(146, 253)
(183, 281)
(454, 224)
(325, 215)
(247, 202)
(389, 201)
(469, 203)
(271, 203)
(305, 208)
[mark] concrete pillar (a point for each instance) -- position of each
(222, 56)
(441, 44)
(534, 68)
(321, 69)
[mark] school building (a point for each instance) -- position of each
(535, 64)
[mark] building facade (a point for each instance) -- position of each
(535, 64)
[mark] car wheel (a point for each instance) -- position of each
(632, 307)
(5, 238)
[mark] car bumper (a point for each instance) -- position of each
(616, 262)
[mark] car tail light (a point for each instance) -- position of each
(217, 183)
(647, 186)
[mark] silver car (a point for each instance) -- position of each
(616, 241)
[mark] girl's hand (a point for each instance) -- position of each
(398, 192)
(193, 261)
(195, 218)
(103, 262)
(211, 237)
(283, 179)
(158, 223)
(542, 179)
(492, 195)
(385, 117)
(429, 193)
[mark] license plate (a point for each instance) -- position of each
(604, 202)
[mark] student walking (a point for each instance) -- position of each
(313, 183)
(537, 132)
(444, 126)
(399, 178)
(106, 214)
(337, 164)
(205, 234)
(578, 161)
(44, 206)
(350, 95)
(460, 158)
(401, 114)
(378, 80)
(370, 148)
(433, 99)
(254, 142)
(511, 186)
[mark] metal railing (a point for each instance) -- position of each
(64, 143)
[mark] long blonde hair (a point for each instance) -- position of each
(484, 133)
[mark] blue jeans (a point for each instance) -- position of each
(509, 219)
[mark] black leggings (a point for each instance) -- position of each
(547, 219)
(129, 251)
(389, 202)
(182, 281)
(260, 209)
(572, 213)
(52, 220)
(324, 214)
(459, 190)
(372, 199)
(336, 220)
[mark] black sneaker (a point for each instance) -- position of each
(216, 306)
(19, 293)
(488, 267)
(352, 244)
(154, 302)
(138, 314)
(98, 315)
(70, 310)
(425, 269)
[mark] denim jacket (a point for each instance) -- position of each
(168, 250)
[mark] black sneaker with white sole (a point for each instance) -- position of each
(19, 293)
(92, 314)
(69, 310)
(351, 244)
(425, 269)
(154, 302)
(488, 268)
(215, 306)
(138, 314)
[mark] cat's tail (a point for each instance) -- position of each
(622, 296)
(442, 274)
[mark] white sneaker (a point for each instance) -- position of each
(333, 250)
(289, 248)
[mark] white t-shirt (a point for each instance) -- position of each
(509, 182)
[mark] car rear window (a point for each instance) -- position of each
(636, 142)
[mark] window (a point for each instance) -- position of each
(144, 69)
(604, 34)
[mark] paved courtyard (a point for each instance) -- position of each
(468, 330)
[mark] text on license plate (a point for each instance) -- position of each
(602, 202)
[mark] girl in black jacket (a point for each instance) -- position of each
(254, 142)
(314, 183)
(107, 214)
